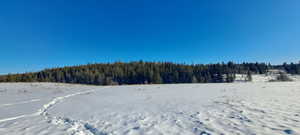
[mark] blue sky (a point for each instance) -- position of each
(36, 34)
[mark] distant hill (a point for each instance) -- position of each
(148, 73)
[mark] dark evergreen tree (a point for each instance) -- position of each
(249, 76)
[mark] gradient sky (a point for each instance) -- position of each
(35, 34)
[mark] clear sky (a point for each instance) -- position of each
(35, 34)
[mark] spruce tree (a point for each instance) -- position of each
(249, 76)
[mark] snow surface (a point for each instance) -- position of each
(262, 108)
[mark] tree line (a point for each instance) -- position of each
(140, 72)
(291, 68)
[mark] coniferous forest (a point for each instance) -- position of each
(147, 73)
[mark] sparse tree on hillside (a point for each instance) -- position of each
(230, 77)
(283, 77)
(194, 80)
(249, 76)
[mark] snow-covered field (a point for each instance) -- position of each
(260, 108)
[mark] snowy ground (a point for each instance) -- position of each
(260, 108)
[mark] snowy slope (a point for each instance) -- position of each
(183, 109)
(264, 77)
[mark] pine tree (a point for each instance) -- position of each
(283, 77)
(194, 79)
(249, 76)
(157, 79)
(230, 77)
